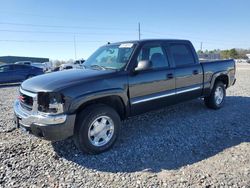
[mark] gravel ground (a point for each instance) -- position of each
(185, 145)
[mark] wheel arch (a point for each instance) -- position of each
(221, 76)
(116, 99)
(112, 101)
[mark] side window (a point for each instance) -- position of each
(5, 68)
(18, 67)
(155, 55)
(68, 67)
(182, 54)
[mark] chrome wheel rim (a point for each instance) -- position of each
(101, 131)
(219, 95)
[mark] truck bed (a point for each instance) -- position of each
(211, 68)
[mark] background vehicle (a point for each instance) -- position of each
(79, 63)
(11, 73)
(119, 80)
(66, 66)
(75, 65)
(23, 62)
(56, 69)
(44, 66)
(49, 66)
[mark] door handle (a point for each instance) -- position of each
(195, 72)
(170, 76)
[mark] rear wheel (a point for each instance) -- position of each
(217, 96)
(97, 128)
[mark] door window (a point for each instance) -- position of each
(5, 68)
(20, 67)
(155, 55)
(182, 54)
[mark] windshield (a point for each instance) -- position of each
(110, 57)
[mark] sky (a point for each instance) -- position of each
(74, 29)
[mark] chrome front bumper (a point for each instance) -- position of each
(27, 118)
(49, 127)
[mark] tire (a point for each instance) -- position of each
(213, 100)
(91, 134)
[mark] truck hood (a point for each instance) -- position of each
(59, 80)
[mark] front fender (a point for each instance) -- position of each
(82, 99)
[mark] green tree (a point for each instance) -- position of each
(227, 54)
(200, 52)
(224, 54)
(233, 53)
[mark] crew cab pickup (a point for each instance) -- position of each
(118, 81)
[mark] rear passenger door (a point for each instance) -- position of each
(155, 87)
(188, 71)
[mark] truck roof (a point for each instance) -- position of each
(150, 40)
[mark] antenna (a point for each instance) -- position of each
(75, 45)
(139, 30)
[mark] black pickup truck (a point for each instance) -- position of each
(118, 81)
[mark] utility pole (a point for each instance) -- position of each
(201, 46)
(139, 30)
(75, 45)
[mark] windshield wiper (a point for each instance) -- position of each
(112, 68)
(102, 67)
(98, 66)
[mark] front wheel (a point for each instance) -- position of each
(97, 128)
(217, 96)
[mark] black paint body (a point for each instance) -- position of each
(139, 91)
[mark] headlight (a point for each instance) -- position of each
(50, 102)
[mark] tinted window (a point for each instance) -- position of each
(20, 67)
(182, 54)
(154, 54)
(69, 67)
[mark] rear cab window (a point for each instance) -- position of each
(182, 54)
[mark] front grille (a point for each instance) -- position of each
(26, 101)
(25, 106)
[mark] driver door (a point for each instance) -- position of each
(155, 87)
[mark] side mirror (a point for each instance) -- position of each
(143, 65)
